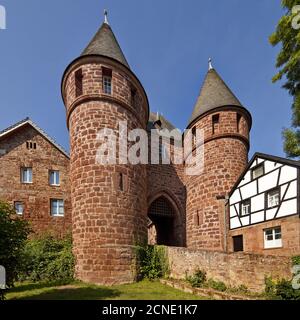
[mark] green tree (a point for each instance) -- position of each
(288, 62)
(13, 234)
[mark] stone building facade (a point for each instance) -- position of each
(29, 160)
(111, 208)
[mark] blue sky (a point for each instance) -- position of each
(167, 44)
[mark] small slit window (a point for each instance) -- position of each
(133, 96)
(121, 182)
(238, 122)
(107, 80)
(215, 123)
(194, 136)
(31, 145)
(78, 83)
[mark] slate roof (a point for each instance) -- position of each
(104, 43)
(165, 124)
(214, 93)
(28, 121)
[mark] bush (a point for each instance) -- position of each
(13, 234)
(48, 259)
(217, 285)
(282, 290)
(198, 279)
(152, 262)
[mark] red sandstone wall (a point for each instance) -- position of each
(233, 269)
(168, 180)
(253, 237)
(225, 157)
(107, 221)
(36, 196)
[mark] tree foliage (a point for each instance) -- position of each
(13, 234)
(288, 63)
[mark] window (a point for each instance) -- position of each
(215, 123)
(31, 145)
(238, 244)
(162, 151)
(133, 96)
(273, 198)
(19, 207)
(78, 83)
(238, 122)
(258, 171)
(26, 175)
(54, 178)
(273, 238)
(246, 207)
(57, 207)
(194, 132)
(121, 182)
(107, 83)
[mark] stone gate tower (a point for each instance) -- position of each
(226, 125)
(109, 205)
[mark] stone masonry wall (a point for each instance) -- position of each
(109, 202)
(225, 157)
(253, 237)
(234, 269)
(35, 196)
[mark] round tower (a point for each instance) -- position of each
(109, 202)
(225, 126)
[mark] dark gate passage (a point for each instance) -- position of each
(163, 216)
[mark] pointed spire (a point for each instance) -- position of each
(214, 93)
(104, 43)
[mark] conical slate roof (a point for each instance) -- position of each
(105, 43)
(214, 93)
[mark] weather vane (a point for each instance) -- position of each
(210, 67)
(105, 16)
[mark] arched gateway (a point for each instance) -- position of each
(164, 222)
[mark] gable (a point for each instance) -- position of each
(24, 130)
(278, 174)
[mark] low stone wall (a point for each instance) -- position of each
(234, 269)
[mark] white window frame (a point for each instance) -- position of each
(273, 200)
(26, 172)
(248, 206)
(16, 206)
(57, 204)
(260, 166)
(270, 241)
(56, 175)
(107, 85)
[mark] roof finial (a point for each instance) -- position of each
(210, 67)
(105, 16)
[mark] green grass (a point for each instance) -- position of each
(144, 290)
